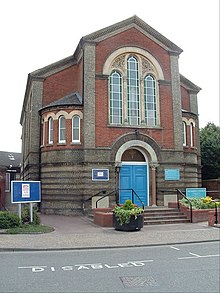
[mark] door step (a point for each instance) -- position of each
(157, 216)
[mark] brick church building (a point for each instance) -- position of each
(115, 115)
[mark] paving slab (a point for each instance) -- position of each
(80, 233)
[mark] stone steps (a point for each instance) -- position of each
(157, 216)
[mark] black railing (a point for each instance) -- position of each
(97, 194)
(114, 192)
(133, 192)
(180, 193)
(216, 210)
(108, 194)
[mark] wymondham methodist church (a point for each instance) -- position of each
(114, 116)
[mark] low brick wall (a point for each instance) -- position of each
(212, 217)
(103, 217)
(197, 215)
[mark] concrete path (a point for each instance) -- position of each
(80, 233)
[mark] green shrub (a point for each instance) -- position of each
(123, 213)
(9, 220)
(201, 203)
(25, 215)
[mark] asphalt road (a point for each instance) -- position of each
(178, 268)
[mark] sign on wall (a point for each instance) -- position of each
(172, 174)
(196, 192)
(25, 191)
(100, 174)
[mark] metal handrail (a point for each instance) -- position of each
(108, 194)
(216, 210)
(134, 192)
(98, 193)
(115, 191)
(184, 196)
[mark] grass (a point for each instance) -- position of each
(30, 229)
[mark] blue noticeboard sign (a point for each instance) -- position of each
(196, 192)
(172, 174)
(100, 174)
(25, 191)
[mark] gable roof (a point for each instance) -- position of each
(102, 34)
(190, 86)
(139, 24)
(8, 159)
(73, 99)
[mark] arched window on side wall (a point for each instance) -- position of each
(62, 129)
(75, 129)
(184, 133)
(50, 130)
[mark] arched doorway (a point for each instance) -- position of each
(134, 175)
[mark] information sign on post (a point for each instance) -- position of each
(25, 192)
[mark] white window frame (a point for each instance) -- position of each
(184, 133)
(75, 128)
(50, 130)
(62, 129)
(148, 103)
(133, 91)
(191, 134)
(113, 110)
(134, 109)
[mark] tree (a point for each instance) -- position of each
(210, 151)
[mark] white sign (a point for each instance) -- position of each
(25, 190)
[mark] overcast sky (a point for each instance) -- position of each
(36, 33)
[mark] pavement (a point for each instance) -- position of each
(80, 233)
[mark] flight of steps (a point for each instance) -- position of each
(163, 215)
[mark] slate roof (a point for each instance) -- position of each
(73, 99)
(9, 158)
(188, 84)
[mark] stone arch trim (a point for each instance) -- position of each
(135, 50)
(140, 142)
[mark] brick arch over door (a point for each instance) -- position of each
(141, 141)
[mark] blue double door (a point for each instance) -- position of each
(133, 177)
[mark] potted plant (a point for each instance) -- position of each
(128, 217)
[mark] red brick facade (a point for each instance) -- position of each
(80, 86)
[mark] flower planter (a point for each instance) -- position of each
(199, 215)
(133, 225)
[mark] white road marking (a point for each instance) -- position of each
(173, 247)
(199, 256)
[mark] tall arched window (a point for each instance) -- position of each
(76, 129)
(115, 98)
(191, 134)
(150, 100)
(50, 130)
(133, 91)
(62, 129)
(184, 134)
